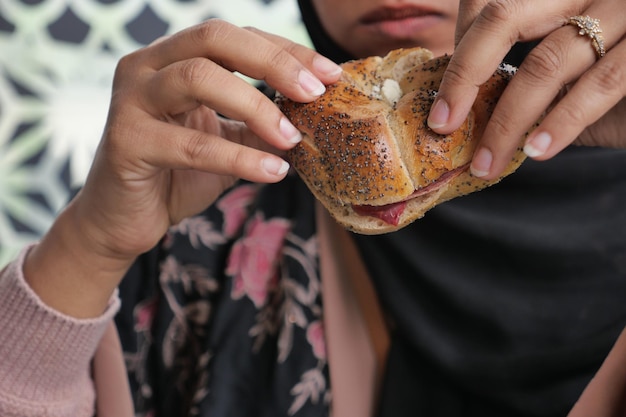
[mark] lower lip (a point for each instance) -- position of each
(404, 28)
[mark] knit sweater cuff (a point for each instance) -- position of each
(45, 354)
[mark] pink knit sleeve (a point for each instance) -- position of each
(44, 355)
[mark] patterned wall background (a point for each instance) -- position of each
(57, 59)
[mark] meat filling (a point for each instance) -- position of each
(391, 213)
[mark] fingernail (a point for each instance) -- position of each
(326, 66)
(538, 144)
(439, 114)
(310, 84)
(289, 131)
(275, 166)
(481, 163)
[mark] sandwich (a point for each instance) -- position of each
(368, 154)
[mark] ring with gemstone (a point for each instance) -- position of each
(590, 27)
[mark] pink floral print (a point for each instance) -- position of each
(315, 336)
(249, 260)
(144, 314)
(234, 207)
(254, 259)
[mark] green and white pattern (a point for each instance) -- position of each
(57, 59)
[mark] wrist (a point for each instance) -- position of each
(70, 271)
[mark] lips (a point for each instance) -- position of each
(384, 14)
(400, 22)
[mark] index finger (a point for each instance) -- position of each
(490, 36)
(295, 70)
(468, 12)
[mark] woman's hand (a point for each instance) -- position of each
(562, 77)
(166, 154)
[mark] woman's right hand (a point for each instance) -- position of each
(575, 87)
(166, 154)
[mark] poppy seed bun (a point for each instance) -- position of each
(368, 154)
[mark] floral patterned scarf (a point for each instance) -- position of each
(224, 318)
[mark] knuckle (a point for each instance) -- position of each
(197, 149)
(260, 105)
(127, 64)
(293, 48)
(238, 159)
(501, 125)
(212, 31)
(124, 64)
(459, 73)
(128, 78)
(279, 58)
(499, 12)
(194, 71)
(570, 112)
(545, 62)
(609, 77)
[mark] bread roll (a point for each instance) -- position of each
(368, 154)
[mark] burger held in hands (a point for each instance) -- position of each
(368, 155)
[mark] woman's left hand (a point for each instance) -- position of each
(564, 77)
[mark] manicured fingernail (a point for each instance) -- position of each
(275, 166)
(310, 84)
(326, 66)
(439, 114)
(538, 144)
(481, 164)
(289, 131)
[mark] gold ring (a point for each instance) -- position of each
(590, 27)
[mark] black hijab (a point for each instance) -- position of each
(486, 292)
(321, 40)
